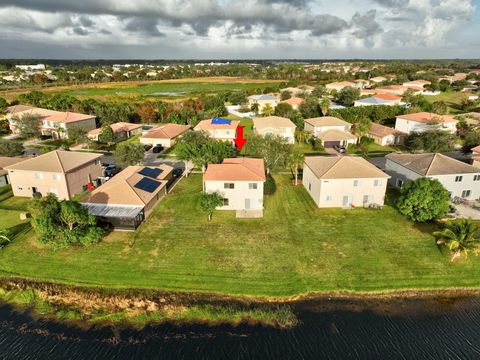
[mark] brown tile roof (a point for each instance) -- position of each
(58, 161)
(18, 108)
(121, 190)
(381, 130)
(343, 167)
(432, 164)
(293, 101)
(272, 122)
(476, 149)
(426, 117)
(335, 135)
(342, 83)
(7, 161)
(167, 131)
(56, 116)
(236, 169)
(327, 121)
(388, 97)
(117, 127)
(207, 125)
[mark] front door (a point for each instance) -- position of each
(346, 201)
(247, 204)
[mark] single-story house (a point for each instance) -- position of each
(384, 135)
(128, 198)
(344, 181)
(263, 100)
(460, 179)
(339, 86)
(275, 125)
(63, 173)
(219, 129)
(379, 99)
(294, 102)
(239, 181)
(4, 162)
(165, 135)
(424, 121)
(122, 131)
(331, 131)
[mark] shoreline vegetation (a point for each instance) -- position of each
(141, 307)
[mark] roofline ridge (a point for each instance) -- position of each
(431, 163)
(59, 161)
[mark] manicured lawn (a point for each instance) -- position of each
(296, 248)
(372, 149)
(452, 99)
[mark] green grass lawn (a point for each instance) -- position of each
(451, 98)
(373, 149)
(296, 248)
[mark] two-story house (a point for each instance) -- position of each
(262, 101)
(239, 181)
(344, 181)
(275, 125)
(460, 179)
(425, 121)
(63, 173)
(219, 129)
(331, 131)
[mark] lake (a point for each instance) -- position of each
(337, 329)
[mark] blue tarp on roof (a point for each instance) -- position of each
(220, 121)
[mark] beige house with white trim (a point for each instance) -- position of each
(460, 179)
(165, 135)
(331, 131)
(344, 182)
(121, 130)
(4, 162)
(63, 173)
(275, 125)
(262, 101)
(226, 131)
(240, 182)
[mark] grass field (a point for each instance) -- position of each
(296, 248)
(155, 90)
(452, 99)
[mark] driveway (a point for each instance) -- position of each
(332, 151)
(465, 211)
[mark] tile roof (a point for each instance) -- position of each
(272, 122)
(293, 101)
(262, 97)
(121, 190)
(374, 100)
(18, 108)
(432, 164)
(335, 135)
(388, 97)
(327, 121)
(167, 131)
(207, 125)
(55, 116)
(342, 83)
(117, 127)
(343, 167)
(236, 169)
(381, 130)
(426, 117)
(58, 161)
(476, 149)
(7, 161)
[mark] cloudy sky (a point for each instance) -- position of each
(246, 29)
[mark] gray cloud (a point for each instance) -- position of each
(147, 26)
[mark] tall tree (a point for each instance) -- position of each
(11, 147)
(273, 149)
(107, 135)
(29, 125)
(325, 105)
(209, 202)
(423, 200)
(295, 161)
(348, 95)
(129, 153)
(77, 134)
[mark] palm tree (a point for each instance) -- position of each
(4, 238)
(460, 236)
(302, 136)
(325, 105)
(267, 110)
(295, 160)
(255, 107)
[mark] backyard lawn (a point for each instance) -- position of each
(296, 248)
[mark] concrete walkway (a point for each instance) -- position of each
(465, 211)
(249, 214)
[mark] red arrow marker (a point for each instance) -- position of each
(240, 141)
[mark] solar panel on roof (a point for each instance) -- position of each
(221, 121)
(153, 173)
(147, 185)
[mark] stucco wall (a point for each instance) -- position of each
(238, 195)
(24, 181)
(408, 126)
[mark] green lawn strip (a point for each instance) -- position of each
(296, 248)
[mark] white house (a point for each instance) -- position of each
(263, 100)
(460, 179)
(344, 181)
(424, 121)
(331, 131)
(239, 181)
(275, 125)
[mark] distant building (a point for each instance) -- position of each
(31, 67)
(262, 101)
(275, 125)
(121, 130)
(424, 121)
(339, 86)
(165, 135)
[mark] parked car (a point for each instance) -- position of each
(157, 148)
(340, 148)
(177, 172)
(147, 147)
(110, 170)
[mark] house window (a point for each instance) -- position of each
(356, 182)
(476, 178)
(38, 175)
(252, 186)
(399, 183)
(466, 194)
(377, 182)
(229, 186)
(309, 187)
(56, 176)
(225, 202)
(367, 199)
(458, 178)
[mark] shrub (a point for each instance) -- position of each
(270, 186)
